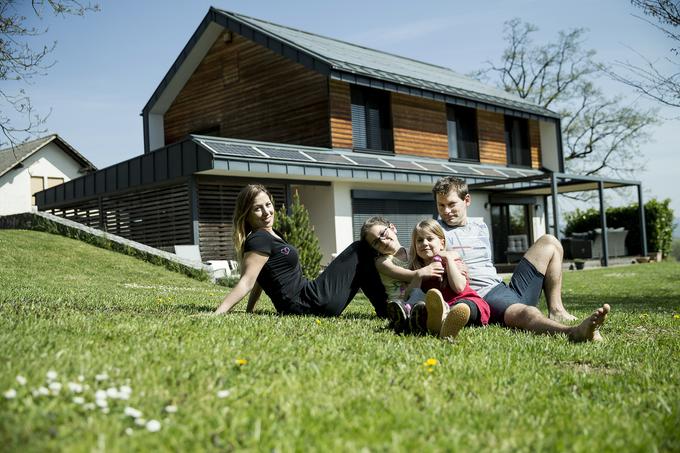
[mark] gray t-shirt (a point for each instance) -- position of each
(471, 241)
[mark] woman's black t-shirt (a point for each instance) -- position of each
(281, 277)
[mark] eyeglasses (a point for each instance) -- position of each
(380, 238)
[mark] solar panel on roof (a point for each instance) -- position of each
(328, 158)
(287, 154)
(488, 171)
(431, 166)
(371, 161)
(231, 149)
(403, 165)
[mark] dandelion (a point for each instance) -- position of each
(431, 362)
(318, 322)
(132, 412)
(676, 316)
(74, 387)
(153, 426)
(101, 377)
(78, 400)
(129, 431)
(51, 375)
(223, 393)
(171, 409)
(241, 362)
(55, 387)
(21, 380)
(10, 394)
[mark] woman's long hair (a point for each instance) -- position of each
(244, 203)
(429, 226)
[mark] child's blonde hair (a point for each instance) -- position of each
(429, 226)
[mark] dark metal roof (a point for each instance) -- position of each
(223, 156)
(360, 65)
(539, 185)
(13, 156)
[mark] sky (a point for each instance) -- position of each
(108, 63)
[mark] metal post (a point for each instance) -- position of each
(643, 228)
(603, 224)
(556, 216)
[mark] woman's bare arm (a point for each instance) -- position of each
(253, 262)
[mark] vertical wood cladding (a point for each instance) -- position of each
(491, 133)
(419, 126)
(246, 91)
(535, 143)
(341, 114)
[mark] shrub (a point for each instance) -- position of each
(675, 251)
(297, 230)
(658, 224)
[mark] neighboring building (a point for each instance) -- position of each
(35, 166)
(356, 131)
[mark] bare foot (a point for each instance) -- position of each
(587, 330)
(561, 316)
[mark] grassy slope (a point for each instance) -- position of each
(316, 384)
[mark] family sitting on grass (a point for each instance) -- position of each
(446, 282)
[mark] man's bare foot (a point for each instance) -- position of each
(587, 330)
(597, 336)
(561, 315)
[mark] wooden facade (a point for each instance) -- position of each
(419, 126)
(491, 136)
(244, 90)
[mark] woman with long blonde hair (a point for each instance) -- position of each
(268, 263)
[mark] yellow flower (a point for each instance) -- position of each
(431, 362)
(318, 322)
(240, 362)
(676, 316)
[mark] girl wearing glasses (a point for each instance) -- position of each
(268, 263)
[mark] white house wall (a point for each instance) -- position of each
(15, 186)
(549, 152)
(319, 202)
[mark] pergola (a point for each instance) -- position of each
(550, 184)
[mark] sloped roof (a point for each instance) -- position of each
(355, 64)
(11, 157)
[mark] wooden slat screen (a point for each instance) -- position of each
(86, 213)
(216, 204)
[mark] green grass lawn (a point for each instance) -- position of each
(269, 383)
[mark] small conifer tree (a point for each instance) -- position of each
(297, 230)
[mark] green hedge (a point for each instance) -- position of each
(658, 224)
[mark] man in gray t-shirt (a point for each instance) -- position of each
(540, 269)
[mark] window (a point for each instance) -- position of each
(508, 220)
(517, 141)
(37, 185)
(371, 119)
(461, 123)
(51, 182)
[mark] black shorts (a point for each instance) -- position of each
(524, 288)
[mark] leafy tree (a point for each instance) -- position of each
(601, 135)
(297, 230)
(658, 80)
(21, 60)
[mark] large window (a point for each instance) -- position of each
(517, 141)
(509, 221)
(461, 123)
(371, 119)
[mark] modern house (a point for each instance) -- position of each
(355, 131)
(35, 166)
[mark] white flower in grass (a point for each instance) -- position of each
(153, 426)
(42, 391)
(88, 406)
(21, 380)
(132, 412)
(112, 392)
(140, 421)
(171, 409)
(223, 393)
(55, 387)
(10, 394)
(102, 403)
(129, 431)
(100, 395)
(75, 387)
(101, 377)
(78, 400)
(51, 375)
(125, 390)
(81, 378)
